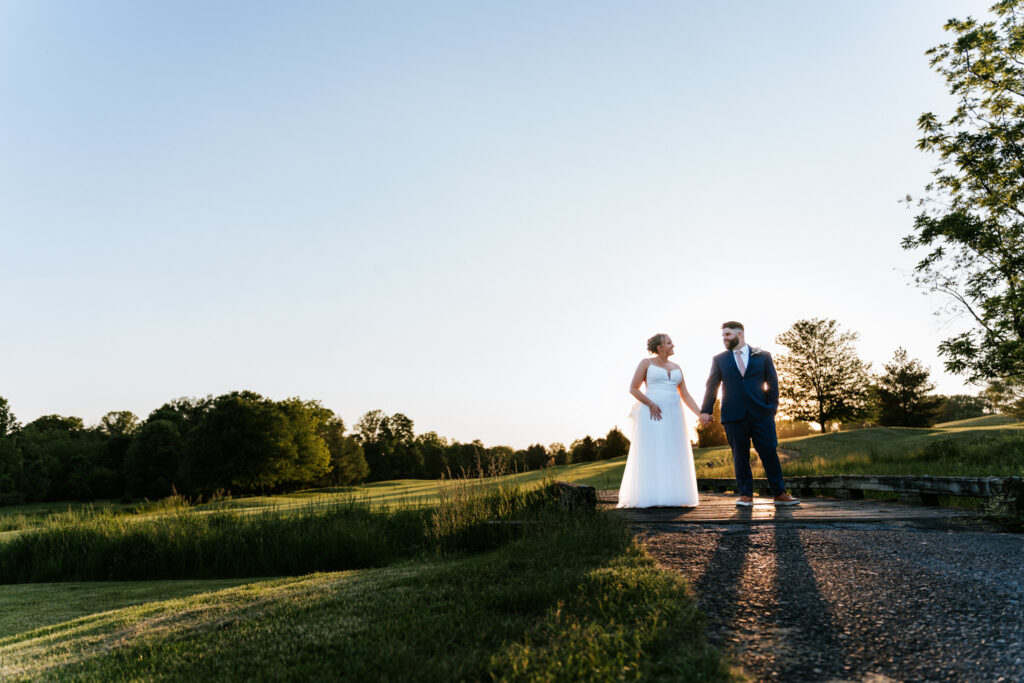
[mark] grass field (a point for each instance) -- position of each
(987, 446)
(32, 606)
(576, 599)
(981, 422)
(569, 598)
(982, 446)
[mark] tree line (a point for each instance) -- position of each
(241, 443)
(822, 381)
(393, 451)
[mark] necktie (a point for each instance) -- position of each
(739, 362)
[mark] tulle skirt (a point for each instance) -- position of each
(659, 467)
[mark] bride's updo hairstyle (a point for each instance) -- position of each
(654, 342)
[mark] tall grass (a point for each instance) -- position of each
(485, 512)
(223, 542)
(81, 546)
(580, 601)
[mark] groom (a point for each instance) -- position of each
(750, 397)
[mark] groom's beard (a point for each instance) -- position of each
(731, 344)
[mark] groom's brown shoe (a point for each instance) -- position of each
(786, 499)
(745, 501)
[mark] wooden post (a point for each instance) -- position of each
(576, 495)
(1013, 488)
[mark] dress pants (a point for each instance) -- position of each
(760, 431)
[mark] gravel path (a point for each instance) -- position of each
(856, 602)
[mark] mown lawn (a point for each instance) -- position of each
(31, 606)
(991, 446)
(580, 601)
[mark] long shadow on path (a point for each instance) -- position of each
(761, 598)
(809, 644)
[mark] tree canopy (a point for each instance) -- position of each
(713, 433)
(240, 443)
(972, 214)
(821, 379)
(8, 423)
(1006, 396)
(904, 394)
(963, 407)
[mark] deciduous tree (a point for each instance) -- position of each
(821, 379)
(972, 214)
(347, 463)
(1007, 396)
(244, 442)
(584, 450)
(713, 433)
(964, 407)
(8, 423)
(559, 454)
(312, 459)
(432, 449)
(119, 423)
(389, 445)
(613, 445)
(536, 456)
(151, 464)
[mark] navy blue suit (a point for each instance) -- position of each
(749, 403)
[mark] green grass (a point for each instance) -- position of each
(580, 601)
(222, 544)
(991, 446)
(229, 541)
(984, 421)
(979, 447)
(31, 606)
(386, 495)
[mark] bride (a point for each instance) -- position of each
(659, 467)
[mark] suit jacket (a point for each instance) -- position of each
(755, 393)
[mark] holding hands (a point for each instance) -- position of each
(706, 419)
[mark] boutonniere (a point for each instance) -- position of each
(754, 351)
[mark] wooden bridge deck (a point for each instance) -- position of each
(718, 508)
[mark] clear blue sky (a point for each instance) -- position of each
(473, 213)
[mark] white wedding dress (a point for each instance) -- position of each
(659, 467)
